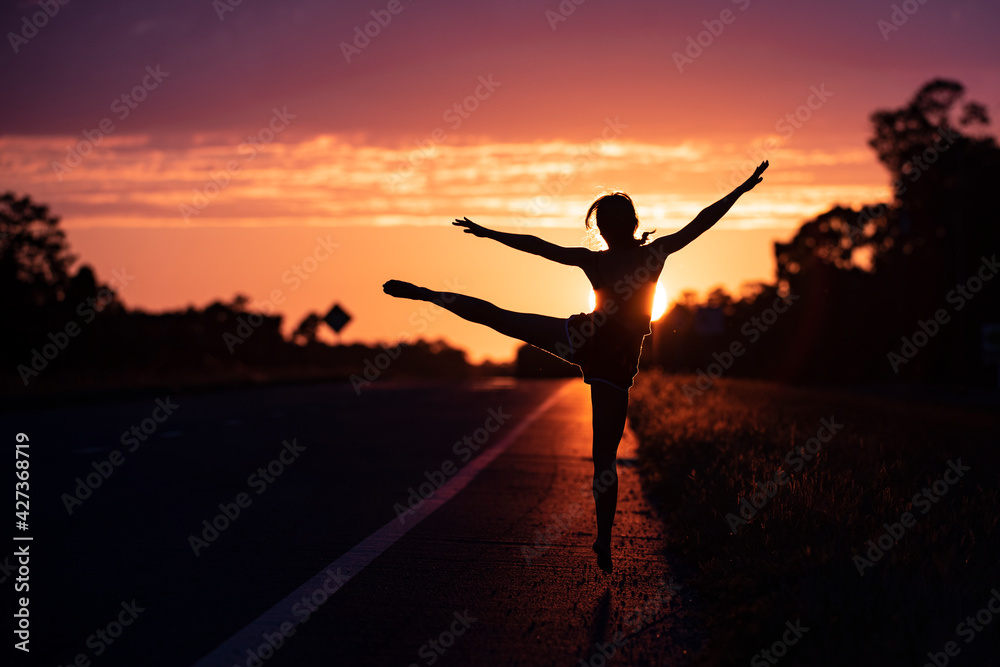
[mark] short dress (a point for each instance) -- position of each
(604, 348)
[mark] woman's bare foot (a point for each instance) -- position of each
(603, 552)
(404, 290)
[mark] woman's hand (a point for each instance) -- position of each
(471, 227)
(755, 179)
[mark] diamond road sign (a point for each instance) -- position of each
(337, 318)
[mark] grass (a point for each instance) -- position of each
(794, 560)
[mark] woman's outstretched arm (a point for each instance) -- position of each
(529, 244)
(709, 216)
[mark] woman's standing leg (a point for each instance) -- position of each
(610, 407)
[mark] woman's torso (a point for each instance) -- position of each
(624, 281)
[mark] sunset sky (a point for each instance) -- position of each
(248, 144)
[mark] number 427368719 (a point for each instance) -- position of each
(21, 486)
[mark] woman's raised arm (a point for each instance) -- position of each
(529, 244)
(709, 216)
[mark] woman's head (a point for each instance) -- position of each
(616, 220)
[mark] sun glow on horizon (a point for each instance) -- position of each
(659, 301)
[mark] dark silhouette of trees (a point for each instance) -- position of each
(942, 181)
(40, 295)
(305, 333)
(852, 288)
(864, 280)
(70, 331)
(34, 256)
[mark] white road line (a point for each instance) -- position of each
(234, 650)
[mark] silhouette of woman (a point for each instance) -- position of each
(606, 343)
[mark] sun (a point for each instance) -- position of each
(659, 301)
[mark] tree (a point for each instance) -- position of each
(903, 135)
(863, 280)
(305, 333)
(34, 256)
(943, 222)
(943, 216)
(829, 241)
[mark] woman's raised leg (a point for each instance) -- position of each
(610, 407)
(542, 331)
(610, 404)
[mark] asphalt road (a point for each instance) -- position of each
(134, 560)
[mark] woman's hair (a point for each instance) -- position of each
(615, 217)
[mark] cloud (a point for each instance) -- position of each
(134, 181)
